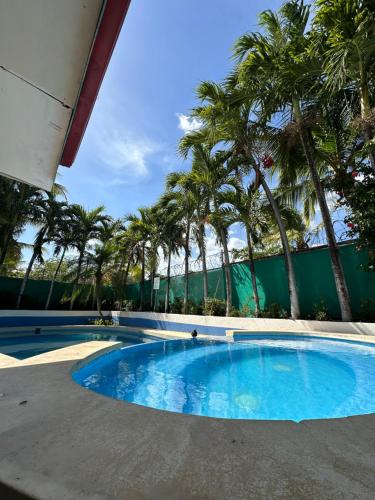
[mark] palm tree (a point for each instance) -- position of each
(19, 204)
(209, 171)
(226, 118)
(248, 209)
(140, 229)
(344, 37)
(102, 258)
(128, 255)
(171, 240)
(179, 199)
(63, 239)
(280, 57)
(50, 210)
(86, 225)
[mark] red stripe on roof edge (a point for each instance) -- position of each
(105, 41)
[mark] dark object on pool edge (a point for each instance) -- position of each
(37, 330)
(194, 333)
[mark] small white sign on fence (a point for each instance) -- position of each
(156, 283)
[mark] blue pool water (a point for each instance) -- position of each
(275, 378)
(25, 346)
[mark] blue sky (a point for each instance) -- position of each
(165, 49)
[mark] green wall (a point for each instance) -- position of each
(313, 273)
(314, 279)
(36, 293)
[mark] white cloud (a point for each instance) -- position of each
(127, 157)
(236, 243)
(187, 123)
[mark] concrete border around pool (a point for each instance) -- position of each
(206, 325)
(77, 351)
(58, 440)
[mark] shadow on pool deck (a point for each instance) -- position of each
(68, 442)
(8, 493)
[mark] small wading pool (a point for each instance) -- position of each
(283, 378)
(27, 343)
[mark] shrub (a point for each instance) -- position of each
(128, 305)
(177, 307)
(101, 322)
(236, 313)
(321, 311)
(274, 310)
(214, 307)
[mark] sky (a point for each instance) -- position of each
(165, 49)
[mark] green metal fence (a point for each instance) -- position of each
(313, 273)
(36, 293)
(314, 276)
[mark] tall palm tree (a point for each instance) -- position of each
(226, 118)
(49, 211)
(179, 199)
(210, 171)
(86, 225)
(140, 229)
(171, 241)
(128, 255)
(246, 207)
(19, 204)
(102, 257)
(280, 57)
(344, 37)
(63, 239)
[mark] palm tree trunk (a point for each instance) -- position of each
(252, 272)
(98, 291)
(25, 278)
(54, 279)
(166, 303)
(292, 282)
(228, 280)
(76, 280)
(152, 277)
(5, 245)
(202, 251)
(123, 283)
(141, 298)
(337, 269)
(187, 249)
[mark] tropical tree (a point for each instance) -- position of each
(226, 116)
(280, 57)
(180, 200)
(63, 239)
(86, 225)
(102, 257)
(247, 208)
(19, 206)
(140, 229)
(344, 37)
(210, 171)
(171, 241)
(49, 211)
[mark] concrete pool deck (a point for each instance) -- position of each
(60, 441)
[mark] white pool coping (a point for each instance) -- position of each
(77, 351)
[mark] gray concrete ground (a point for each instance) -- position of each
(60, 441)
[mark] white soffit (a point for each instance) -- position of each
(44, 49)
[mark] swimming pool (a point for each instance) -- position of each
(26, 344)
(277, 378)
